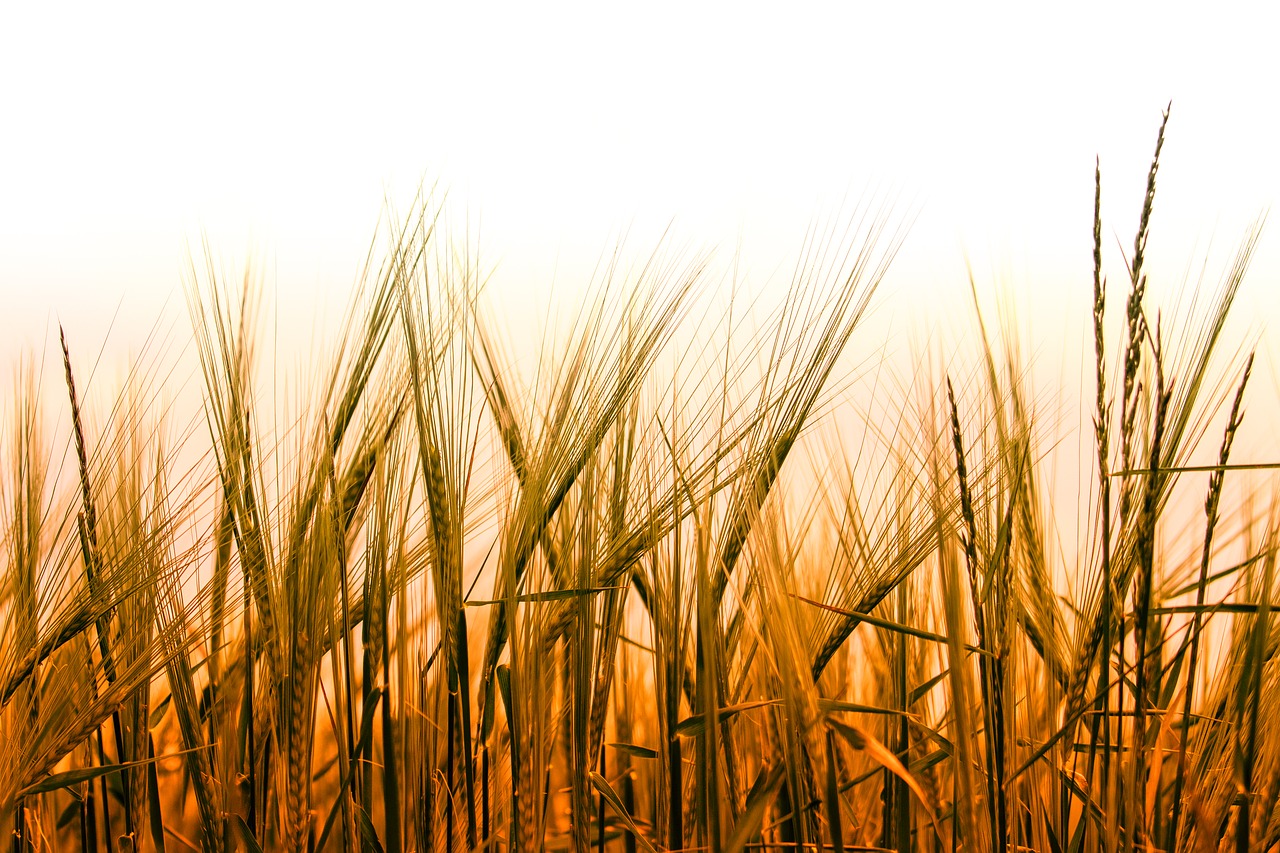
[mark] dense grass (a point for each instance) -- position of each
(643, 594)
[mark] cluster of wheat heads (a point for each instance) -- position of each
(637, 596)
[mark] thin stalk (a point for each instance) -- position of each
(1193, 663)
(1101, 427)
(988, 675)
(1142, 603)
(87, 526)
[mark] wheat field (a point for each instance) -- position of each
(659, 584)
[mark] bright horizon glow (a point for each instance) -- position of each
(278, 133)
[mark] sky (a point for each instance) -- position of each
(130, 134)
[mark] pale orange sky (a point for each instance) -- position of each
(128, 132)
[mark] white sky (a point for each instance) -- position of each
(127, 132)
